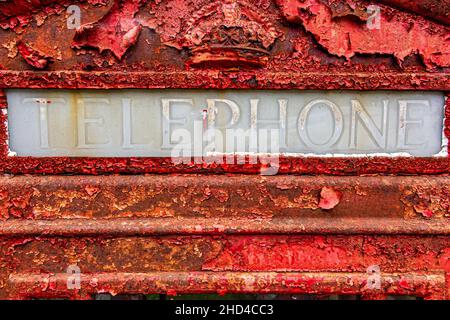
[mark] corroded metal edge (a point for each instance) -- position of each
(428, 286)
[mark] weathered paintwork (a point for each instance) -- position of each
(199, 204)
(223, 228)
(162, 53)
(287, 165)
(203, 233)
(411, 265)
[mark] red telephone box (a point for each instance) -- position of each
(357, 203)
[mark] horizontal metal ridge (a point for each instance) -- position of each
(211, 226)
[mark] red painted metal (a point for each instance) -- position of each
(425, 285)
(58, 205)
(435, 9)
(297, 61)
(223, 228)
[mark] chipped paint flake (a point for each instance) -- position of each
(329, 198)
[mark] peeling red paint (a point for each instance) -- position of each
(32, 56)
(399, 34)
(427, 202)
(289, 264)
(288, 165)
(325, 253)
(223, 231)
(427, 213)
(329, 198)
(23, 11)
(428, 286)
(91, 190)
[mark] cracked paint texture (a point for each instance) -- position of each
(399, 35)
(315, 228)
(174, 264)
(116, 31)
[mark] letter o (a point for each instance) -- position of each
(338, 124)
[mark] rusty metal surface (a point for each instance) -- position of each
(428, 286)
(435, 9)
(233, 196)
(223, 233)
(214, 226)
(31, 267)
(187, 233)
(155, 43)
(287, 164)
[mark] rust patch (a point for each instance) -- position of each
(233, 196)
(435, 9)
(347, 8)
(40, 261)
(11, 46)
